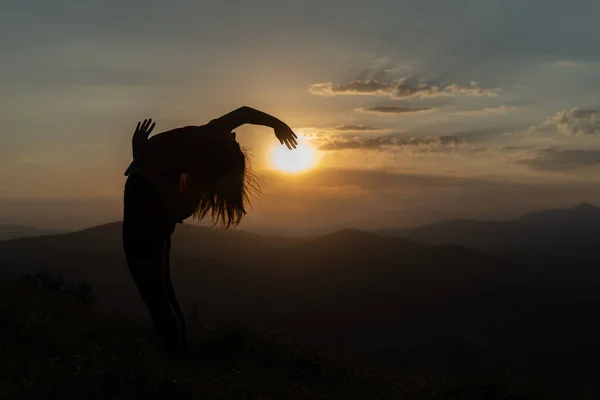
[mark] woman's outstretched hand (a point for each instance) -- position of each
(140, 136)
(144, 127)
(286, 136)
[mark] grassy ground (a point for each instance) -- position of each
(56, 344)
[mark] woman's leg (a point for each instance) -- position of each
(171, 292)
(146, 236)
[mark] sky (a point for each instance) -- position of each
(417, 110)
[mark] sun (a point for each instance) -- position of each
(299, 159)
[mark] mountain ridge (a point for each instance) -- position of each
(578, 226)
(11, 231)
(552, 229)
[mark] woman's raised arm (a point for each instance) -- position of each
(248, 115)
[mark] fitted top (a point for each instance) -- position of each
(167, 159)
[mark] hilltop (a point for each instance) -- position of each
(55, 346)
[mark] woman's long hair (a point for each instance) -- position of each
(228, 182)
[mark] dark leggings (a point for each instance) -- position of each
(147, 231)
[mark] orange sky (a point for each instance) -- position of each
(444, 115)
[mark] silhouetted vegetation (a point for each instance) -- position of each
(82, 292)
(55, 344)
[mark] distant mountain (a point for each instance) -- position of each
(584, 214)
(575, 228)
(17, 231)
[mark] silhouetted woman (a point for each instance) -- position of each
(190, 171)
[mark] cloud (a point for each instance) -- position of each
(391, 110)
(503, 109)
(402, 89)
(358, 127)
(395, 142)
(498, 149)
(576, 121)
(564, 64)
(556, 159)
(367, 87)
(514, 148)
(485, 135)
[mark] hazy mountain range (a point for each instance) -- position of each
(574, 227)
(16, 231)
(577, 226)
(404, 298)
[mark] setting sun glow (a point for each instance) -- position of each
(300, 159)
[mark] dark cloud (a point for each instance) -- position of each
(556, 159)
(358, 127)
(502, 109)
(484, 135)
(577, 121)
(496, 149)
(395, 142)
(402, 89)
(390, 110)
(369, 87)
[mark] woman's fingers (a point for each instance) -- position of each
(290, 144)
(287, 137)
(146, 126)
